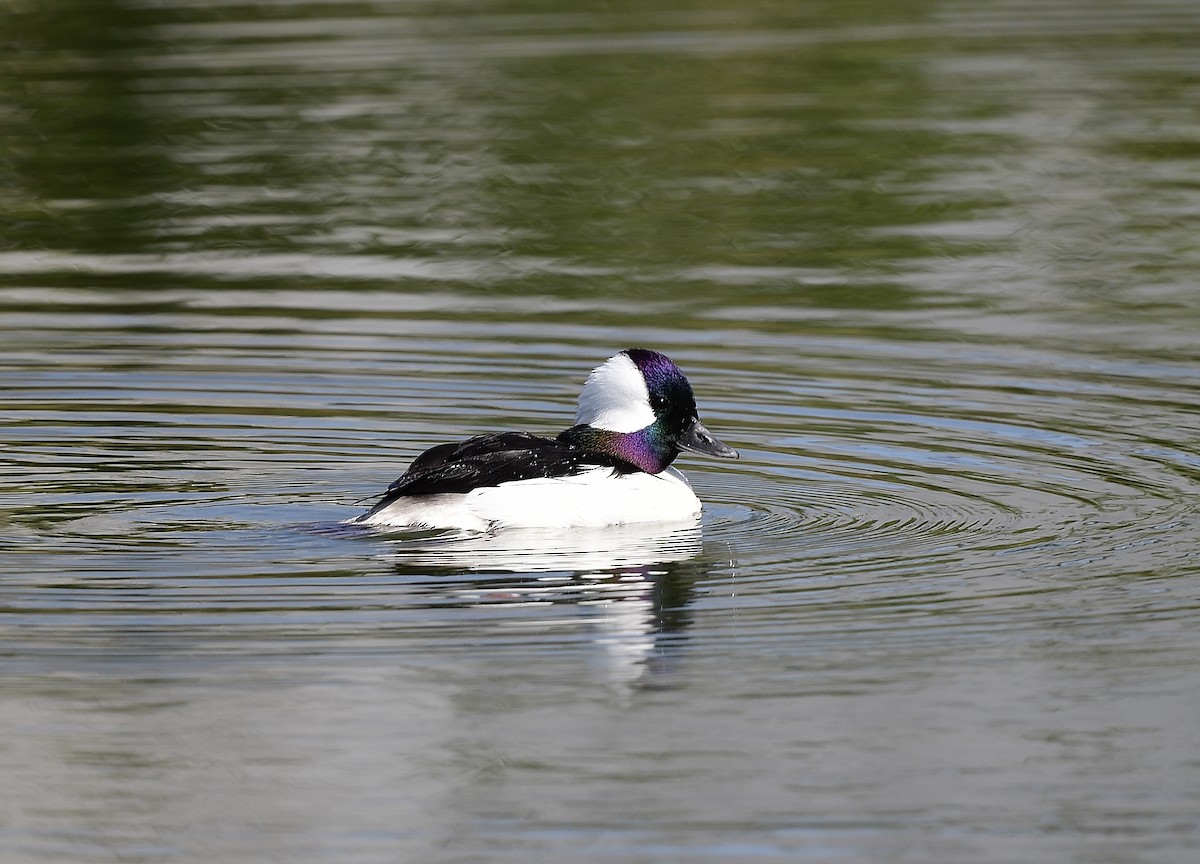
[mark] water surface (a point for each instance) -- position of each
(931, 267)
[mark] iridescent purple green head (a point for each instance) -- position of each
(639, 407)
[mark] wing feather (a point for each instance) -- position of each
(489, 460)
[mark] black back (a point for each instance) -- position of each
(489, 460)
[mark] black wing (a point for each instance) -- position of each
(489, 460)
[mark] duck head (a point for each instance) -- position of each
(639, 407)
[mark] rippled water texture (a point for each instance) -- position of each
(931, 267)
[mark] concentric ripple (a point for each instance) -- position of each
(882, 497)
(949, 486)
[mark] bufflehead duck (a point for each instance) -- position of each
(635, 414)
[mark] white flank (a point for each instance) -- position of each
(590, 499)
(615, 397)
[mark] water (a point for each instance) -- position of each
(931, 267)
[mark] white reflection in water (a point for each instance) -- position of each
(543, 550)
(626, 585)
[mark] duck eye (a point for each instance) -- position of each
(657, 402)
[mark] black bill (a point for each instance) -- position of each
(700, 440)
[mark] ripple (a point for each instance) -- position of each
(956, 472)
(1032, 483)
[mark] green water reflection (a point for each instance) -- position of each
(84, 160)
(640, 153)
(809, 152)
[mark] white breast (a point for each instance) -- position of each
(590, 499)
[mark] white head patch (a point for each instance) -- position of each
(615, 397)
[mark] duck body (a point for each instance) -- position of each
(612, 467)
